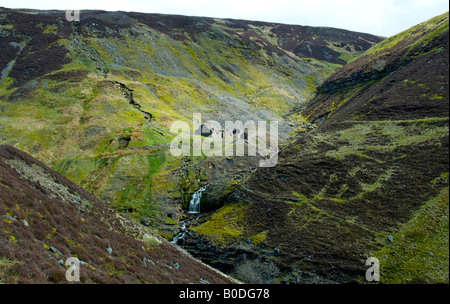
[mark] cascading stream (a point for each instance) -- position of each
(194, 205)
(194, 208)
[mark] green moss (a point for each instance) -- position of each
(437, 97)
(5, 266)
(420, 251)
(5, 83)
(360, 137)
(303, 198)
(150, 240)
(430, 28)
(259, 238)
(444, 175)
(171, 221)
(76, 169)
(381, 181)
(334, 199)
(51, 29)
(225, 225)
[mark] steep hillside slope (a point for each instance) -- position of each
(46, 219)
(368, 88)
(94, 99)
(370, 181)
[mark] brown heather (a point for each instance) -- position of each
(41, 211)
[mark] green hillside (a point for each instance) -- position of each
(95, 99)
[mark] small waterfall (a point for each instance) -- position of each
(194, 205)
(181, 234)
(183, 230)
(194, 208)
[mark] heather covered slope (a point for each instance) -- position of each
(94, 99)
(370, 181)
(403, 77)
(45, 219)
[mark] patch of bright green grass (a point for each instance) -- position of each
(420, 251)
